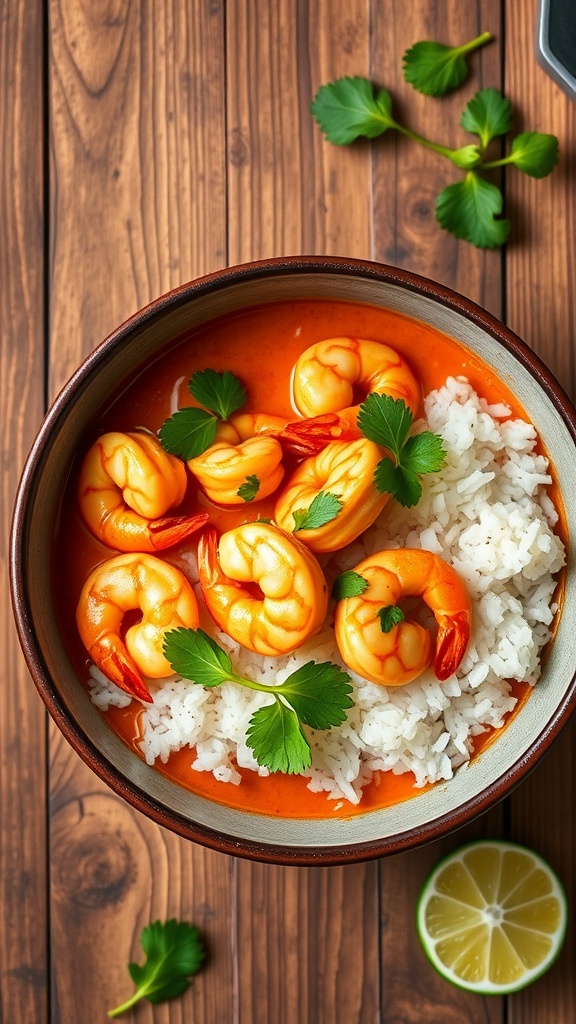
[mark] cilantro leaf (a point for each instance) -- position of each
(323, 509)
(471, 209)
(534, 153)
(401, 483)
(249, 489)
(348, 584)
(435, 69)
(487, 115)
(385, 420)
(196, 656)
(222, 393)
(318, 693)
(174, 952)
(423, 453)
(350, 107)
(275, 735)
(188, 433)
(389, 617)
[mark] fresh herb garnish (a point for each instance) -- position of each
(316, 695)
(389, 617)
(221, 393)
(387, 422)
(348, 584)
(435, 69)
(323, 509)
(174, 952)
(189, 432)
(249, 489)
(472, 208)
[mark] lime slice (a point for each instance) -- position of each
(492, 917)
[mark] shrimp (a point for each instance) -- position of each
(330, 374)
(342, 468)
(262, 587)
(246, 445)
(400, 655)
(122, 584)
(127, 483)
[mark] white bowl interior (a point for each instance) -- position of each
(337, 832)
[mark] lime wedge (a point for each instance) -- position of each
(492, 917)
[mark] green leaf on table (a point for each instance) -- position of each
(350, 107)
(471, 209)
(319, 693)
(174, 952)
(197, 657)
(188, 433)
(222, 393)
(275, 736)
(534, 153)
(487, 115)
(323, 509)
(435, 69)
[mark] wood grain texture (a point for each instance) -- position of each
(541, 270)
(138, 206)
(408, 177)
(23, 926)
(289, 192)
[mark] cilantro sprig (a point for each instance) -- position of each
(435, 69)
(316, 695)
(348, 584)
(190, 431)
(323, 508)
(389, 617)
(471, 209)
(174, 952)
(387, 422)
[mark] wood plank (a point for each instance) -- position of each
(138, 207)
(407, 179)
(299, 930)
(541, 308)
(23, 924)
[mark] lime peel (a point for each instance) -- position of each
(517, 933)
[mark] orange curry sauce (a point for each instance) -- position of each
(260, 345)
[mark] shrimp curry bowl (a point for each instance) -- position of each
(291, 560)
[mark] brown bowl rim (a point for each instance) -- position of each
(78, 739)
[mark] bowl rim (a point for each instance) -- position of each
(76, 736)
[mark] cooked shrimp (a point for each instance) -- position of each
(344, 469)
(262, 587)
(400, 655)
(245, 446)
(127, 483)
(329, 375)
(123, 584)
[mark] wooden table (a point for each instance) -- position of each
(145, 144)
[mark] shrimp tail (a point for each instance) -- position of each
(310, 436)
(170, 530)
(451, 644)
(208, 567)
(119, 667)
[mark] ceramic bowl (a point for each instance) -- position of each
(434, 812)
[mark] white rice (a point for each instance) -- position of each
(487, 513)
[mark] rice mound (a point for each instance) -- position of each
(488, 514)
